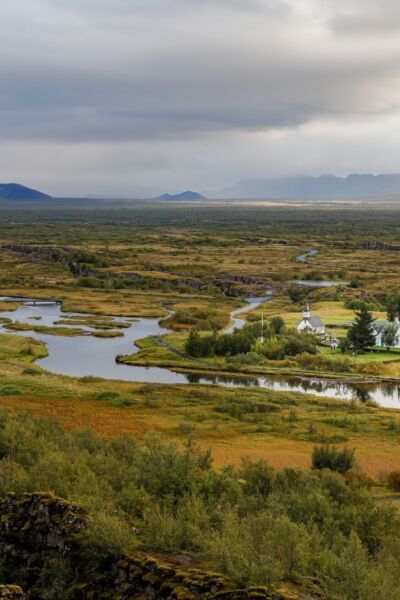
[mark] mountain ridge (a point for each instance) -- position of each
(355, 185)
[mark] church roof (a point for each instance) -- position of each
(313, 321)
(380, 326)
(316, 322)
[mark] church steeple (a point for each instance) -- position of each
(306, 312)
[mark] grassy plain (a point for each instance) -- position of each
(200, 260)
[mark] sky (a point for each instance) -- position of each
(131, 97)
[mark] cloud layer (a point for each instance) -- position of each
(176, 93)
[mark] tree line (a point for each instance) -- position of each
(278, 341)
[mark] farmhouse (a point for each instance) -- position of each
(310, 324)
(379, 329)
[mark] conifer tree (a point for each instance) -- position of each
(361, 333)
(192, 345)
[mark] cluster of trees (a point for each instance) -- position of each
(257, 525)
(278, 342)
(238, 342)
(360, 337)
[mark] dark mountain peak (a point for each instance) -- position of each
(17, 192)
(188, 195)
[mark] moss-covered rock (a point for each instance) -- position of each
(39, 542)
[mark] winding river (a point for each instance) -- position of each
(86, 355)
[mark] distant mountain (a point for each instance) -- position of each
(17, 192)
(188, 195)
(325, 186)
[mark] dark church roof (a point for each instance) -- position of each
(315, 322)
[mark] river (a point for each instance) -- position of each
(90, 356)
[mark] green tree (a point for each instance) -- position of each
(389, 336)
(350, 572)
(361, 333)
(297, 293)
(277, 325)
(193, 344)
(393, 306)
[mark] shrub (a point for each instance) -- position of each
(330, 457)
(277, 325)
(31, 371)
(297, 293)
(393, 480)
(248, 358)
(107, 534)
(109, 395)
(27, 351)
(10, 390)
(319, 362)
(185, 428)
(122, 402)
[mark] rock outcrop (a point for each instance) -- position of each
(40, 531)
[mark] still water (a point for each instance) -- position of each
(86, 355)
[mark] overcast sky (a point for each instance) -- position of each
(115, 96)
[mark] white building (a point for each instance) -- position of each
(379, 328)
(310, 324)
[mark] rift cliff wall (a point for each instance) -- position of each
(229, 285)
(39, 532)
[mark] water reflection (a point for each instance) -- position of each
(386, 395)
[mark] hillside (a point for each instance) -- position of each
(16, 192)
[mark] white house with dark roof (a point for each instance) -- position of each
(310, 324)
(379, 328)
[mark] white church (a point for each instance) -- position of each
(310, 324)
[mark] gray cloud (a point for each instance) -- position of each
(195, 74)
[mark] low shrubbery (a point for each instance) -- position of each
(203, 319)
(256, 524)
(324, 363)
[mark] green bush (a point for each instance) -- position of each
(10, 390)
(108, 396)
(330, 457)
(122, 402)
(31, 371)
